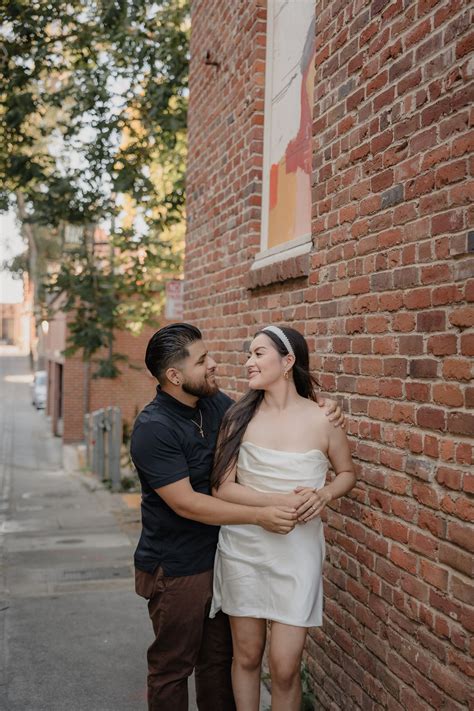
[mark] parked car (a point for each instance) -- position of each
(39, 388)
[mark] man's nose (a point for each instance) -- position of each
(211, 363)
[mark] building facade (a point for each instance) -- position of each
(14, 325)
(330, 188)
(72, 389)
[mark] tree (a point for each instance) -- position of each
(93, 119)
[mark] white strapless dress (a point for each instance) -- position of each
(267, 575)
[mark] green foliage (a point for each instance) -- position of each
(93, 105)
(308, 700)
(129, 483)
(108, 292)
(18, 265)
(80, 73)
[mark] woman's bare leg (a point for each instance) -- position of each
(248, 639)
(286, 650)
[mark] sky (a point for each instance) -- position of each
(11, 244)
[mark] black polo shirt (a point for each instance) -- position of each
(166, 446)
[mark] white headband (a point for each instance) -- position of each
(284, 339)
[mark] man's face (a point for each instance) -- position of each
(198, 371)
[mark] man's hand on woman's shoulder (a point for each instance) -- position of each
(332, 410)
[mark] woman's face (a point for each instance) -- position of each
(265, 366)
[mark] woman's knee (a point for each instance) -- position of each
(249, 657)
(284, 672)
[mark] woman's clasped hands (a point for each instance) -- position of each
(308, 502)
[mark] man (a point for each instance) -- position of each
(173, 443)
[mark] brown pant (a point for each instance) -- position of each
(186, 640)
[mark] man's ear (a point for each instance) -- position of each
(174, 376)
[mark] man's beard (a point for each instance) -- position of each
(203, 389)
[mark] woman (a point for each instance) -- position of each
(275, 446)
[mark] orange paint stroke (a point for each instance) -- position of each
(273, 185)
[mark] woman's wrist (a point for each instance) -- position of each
(327, 493)
(341, 485)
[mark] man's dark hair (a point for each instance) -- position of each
(168, 346)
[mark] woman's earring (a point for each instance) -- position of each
(286, 375)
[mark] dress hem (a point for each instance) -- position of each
(258, 616)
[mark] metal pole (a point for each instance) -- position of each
(115, 445)
(100, 444)
(95, 437)
(87, 437)
(106, 431)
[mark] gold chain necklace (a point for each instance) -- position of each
(199, 424)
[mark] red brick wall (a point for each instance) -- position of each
(73, 400)
(135, 387)
(130, 391)
(224, 173)
(386, 308)
(50, 346)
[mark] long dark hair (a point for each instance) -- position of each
(238, 416)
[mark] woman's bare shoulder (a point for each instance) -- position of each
(312, 409)
(316, 415)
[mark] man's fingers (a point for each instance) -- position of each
(284, 528)
(285, 521)
(337, 419)
(287, 513)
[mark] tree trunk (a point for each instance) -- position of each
(27, 232)
(87, 383)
